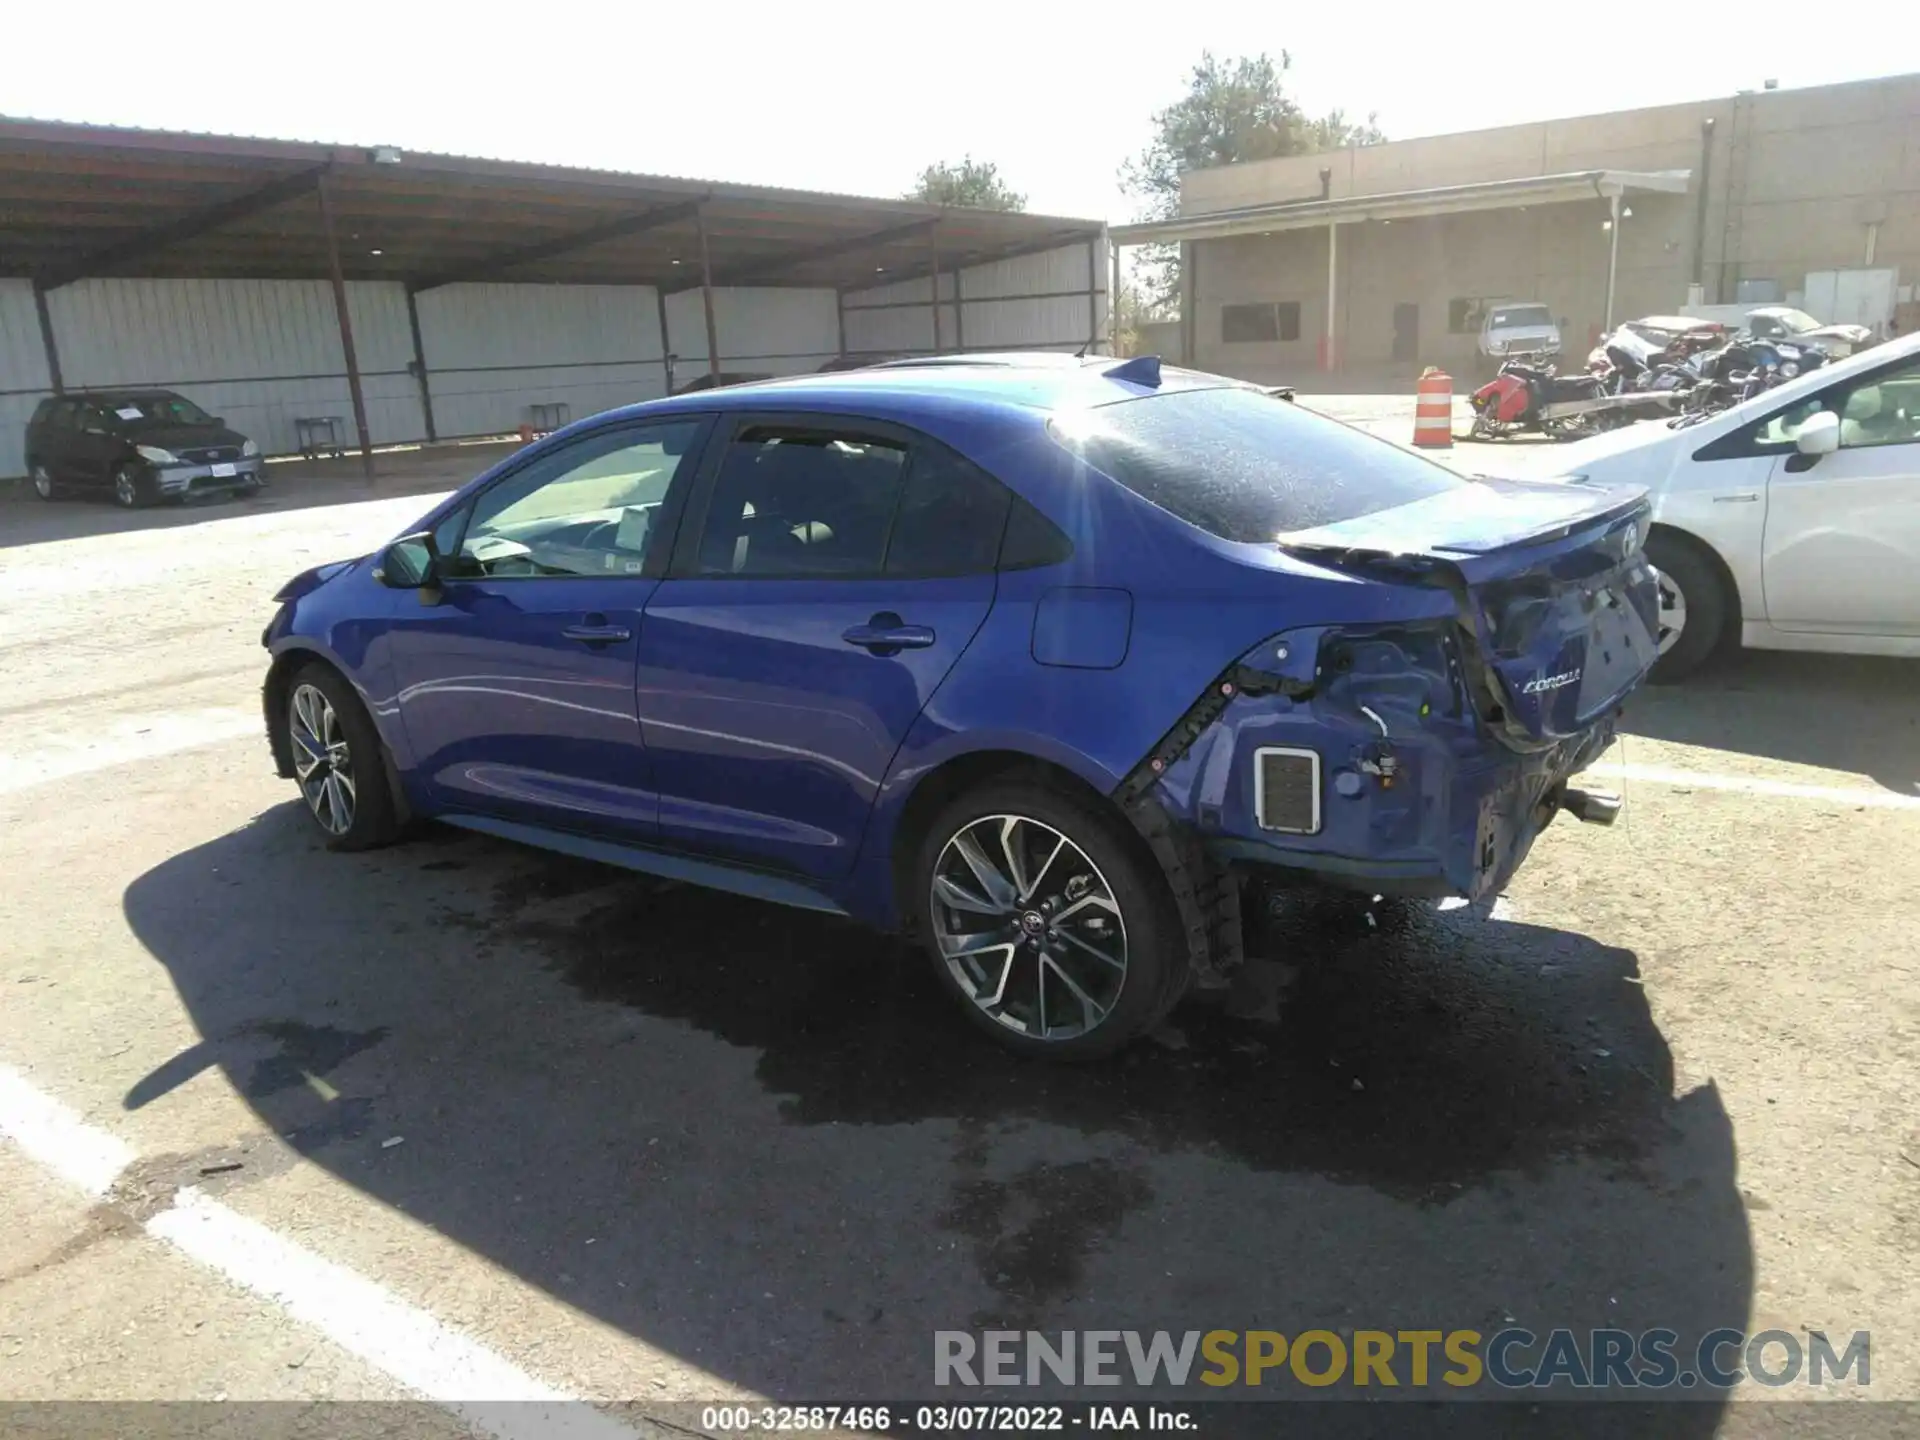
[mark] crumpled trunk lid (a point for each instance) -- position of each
(1558, 610)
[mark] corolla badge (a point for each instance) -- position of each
(1540, 684)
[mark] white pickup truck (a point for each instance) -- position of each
(1516, 328)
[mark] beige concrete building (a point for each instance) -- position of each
(1382, 259)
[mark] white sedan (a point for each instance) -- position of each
(1789, 522)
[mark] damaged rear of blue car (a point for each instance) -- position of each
(1044, 662)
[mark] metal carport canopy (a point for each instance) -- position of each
(82, 200)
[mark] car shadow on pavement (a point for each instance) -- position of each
(795, 1161)
(1853, 713)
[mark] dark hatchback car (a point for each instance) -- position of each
(139, 446)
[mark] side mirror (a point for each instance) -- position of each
(1819, 436)
(409, 563)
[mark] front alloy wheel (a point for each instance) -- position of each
(1029, 928)
(322, 759)
(43, 482)
(130, 488)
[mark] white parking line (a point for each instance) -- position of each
(97, 745)
(406, 1343)
(1760, 785)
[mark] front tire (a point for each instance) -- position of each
(44, 485)
(133, 488)
(1694, 607)
(1047, 920)
(338, 761)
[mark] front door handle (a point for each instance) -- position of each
(887, 634)
(591, 634)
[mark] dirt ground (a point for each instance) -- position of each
(650, 1144)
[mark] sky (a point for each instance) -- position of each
(857, 97)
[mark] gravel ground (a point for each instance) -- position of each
(646, 1141)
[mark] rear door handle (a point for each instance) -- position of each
(887, 634)
(598, 634)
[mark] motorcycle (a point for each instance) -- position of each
(1746, 367)
(1524, 398)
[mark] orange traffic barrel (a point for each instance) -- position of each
(1433, 410)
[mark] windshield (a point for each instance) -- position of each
(1245, 466)
(1794, 322)
(1511, 317)
(134, 411)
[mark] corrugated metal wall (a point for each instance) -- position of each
(492, 351)
(258, 353)
(762, 331)
(1028, 302)
(23, 370)
(262, 353)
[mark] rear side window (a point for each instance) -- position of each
(793, 502)
(1245, 466)
(951, 518)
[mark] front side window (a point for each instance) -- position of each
(1880, 409)
(1244, 466)
(1883, 411)
(790, 502)
(587, 509)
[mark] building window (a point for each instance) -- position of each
(1464, 315)
(1260, 324)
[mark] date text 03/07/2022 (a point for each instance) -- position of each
(944, 1419)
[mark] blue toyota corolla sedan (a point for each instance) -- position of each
(1038, 659)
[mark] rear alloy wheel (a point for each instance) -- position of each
(337, 761)
(132, 488)
(43, 484)
(1046, 923)
(1693, 608)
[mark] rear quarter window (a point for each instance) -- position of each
(1245, 466)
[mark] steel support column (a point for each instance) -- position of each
(706, 295)
(1093, 293)
(666, 342)
(420, 369)
(322, 189)
(46, 338)
(933, 280)
(1329, 344)
(1113, 299)
(1613, 254)
(959, 311)
(1189, 302)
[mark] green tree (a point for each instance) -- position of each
(972, 183)
(1233, 111)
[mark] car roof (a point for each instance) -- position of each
(1017, 380)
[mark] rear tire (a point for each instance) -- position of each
(1693, 602)
(1069, 945)
(339, 762)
